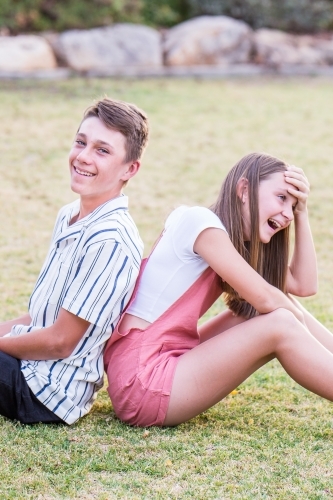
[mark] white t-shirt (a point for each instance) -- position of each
(173, 266)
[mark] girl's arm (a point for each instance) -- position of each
(215, 247)
(302, 271)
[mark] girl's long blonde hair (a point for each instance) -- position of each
(270, 260)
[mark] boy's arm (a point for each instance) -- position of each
(112, 278)
(6, 326)
(302, 272)
(54, 342)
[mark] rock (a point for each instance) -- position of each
(53, 39)
(325, 46)
(111, 47)
(275, 48)
(208, 40)
(25, 53)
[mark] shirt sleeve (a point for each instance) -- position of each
(103, 283)
(191, 223)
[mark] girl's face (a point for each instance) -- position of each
(276, 207)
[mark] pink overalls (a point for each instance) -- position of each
(141, 364)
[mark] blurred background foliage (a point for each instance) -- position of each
(301, 16)
(38, 15)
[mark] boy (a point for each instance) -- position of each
(51, 358)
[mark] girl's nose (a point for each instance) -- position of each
(288, 213)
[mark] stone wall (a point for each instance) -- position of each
(207, 45)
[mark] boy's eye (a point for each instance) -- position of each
(78, 141)
(102, 150)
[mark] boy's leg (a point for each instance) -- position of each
(17, 401)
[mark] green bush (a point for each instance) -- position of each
(38, 15)
(288, 15)
(164, 12)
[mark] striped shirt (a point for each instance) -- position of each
(90, 271)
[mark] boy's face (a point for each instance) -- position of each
(97, 162)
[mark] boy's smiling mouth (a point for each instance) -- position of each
(83, 172)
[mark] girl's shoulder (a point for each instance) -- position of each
(184, 225)
(193, 217)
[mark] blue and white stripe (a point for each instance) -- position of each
(90, 271)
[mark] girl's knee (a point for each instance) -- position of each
(282, 316)
(285, 325)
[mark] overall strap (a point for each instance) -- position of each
(115, 335)
(142, 267)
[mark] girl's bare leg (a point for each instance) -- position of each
(225, 320)
(218, 324)
(210, 371)
(318, 330)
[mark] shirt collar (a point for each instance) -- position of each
(119, 203)
(67, 231)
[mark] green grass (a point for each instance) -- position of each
(271, 439)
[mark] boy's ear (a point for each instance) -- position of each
(132, 169)
(242, 189)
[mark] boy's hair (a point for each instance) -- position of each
(270, 260)
(126, 118)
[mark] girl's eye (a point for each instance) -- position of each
(104, 151)
(78, 141)
(282, 197)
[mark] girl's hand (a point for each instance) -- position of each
(300, 187)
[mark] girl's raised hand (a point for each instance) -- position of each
(300, 187)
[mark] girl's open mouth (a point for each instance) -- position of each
(274, 224)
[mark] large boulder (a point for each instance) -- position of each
(111, 47)
(208, 40)
(54, 41)
(324, 44)
(275, 48)
(25, 53)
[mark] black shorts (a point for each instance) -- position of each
(17, 401)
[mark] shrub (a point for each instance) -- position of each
(164, 12)
(37, 15)
(288, 15)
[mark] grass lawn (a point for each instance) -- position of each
(270, 439)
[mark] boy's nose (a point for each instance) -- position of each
(84, 156)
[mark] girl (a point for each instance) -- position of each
(162, 369)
